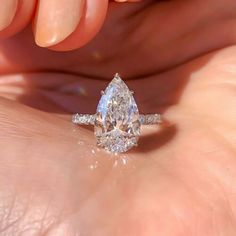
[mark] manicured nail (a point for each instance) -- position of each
(7, 12)
(56, 20)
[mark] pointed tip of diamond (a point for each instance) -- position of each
(117, 75)
(118, 80)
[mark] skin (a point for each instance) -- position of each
(179, 181)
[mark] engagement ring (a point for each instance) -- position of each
(117, 122)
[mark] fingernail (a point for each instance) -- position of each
(56, 20)
(7, 12)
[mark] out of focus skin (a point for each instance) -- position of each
(179, 58)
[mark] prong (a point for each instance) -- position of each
(117, 75)
(102, 92)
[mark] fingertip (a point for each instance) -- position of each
(15, 15)
(77, 33)
(7, 12)
(56, 20)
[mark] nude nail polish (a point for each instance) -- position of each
(7, 12)
(56, 20)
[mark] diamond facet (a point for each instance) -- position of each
(117, 124)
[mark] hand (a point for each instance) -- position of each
(179, 181)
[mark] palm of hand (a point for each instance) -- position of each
(179, 181)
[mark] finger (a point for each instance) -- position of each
(7, 12)
(15, 15)
(68, 24)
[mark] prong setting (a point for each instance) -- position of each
(117, 122)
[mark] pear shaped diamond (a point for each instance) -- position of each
(117, 124)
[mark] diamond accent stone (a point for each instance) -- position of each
(150, 119)
(117, 124)
(83, 119)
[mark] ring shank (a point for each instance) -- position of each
(86, 119)
(150, 119)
